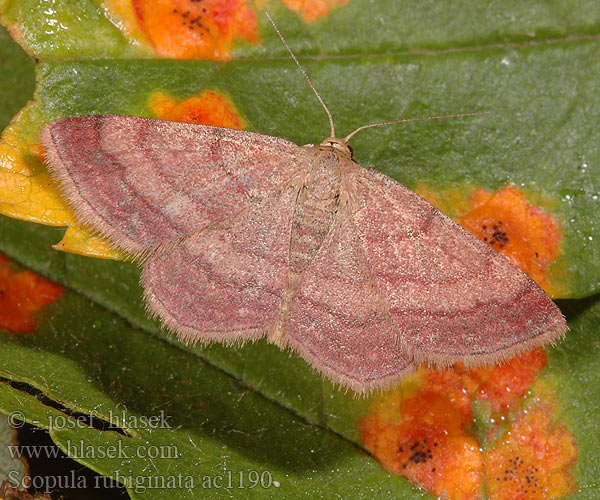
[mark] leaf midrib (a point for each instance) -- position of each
(354, 56)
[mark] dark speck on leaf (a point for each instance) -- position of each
(500, 236)
(419, 457)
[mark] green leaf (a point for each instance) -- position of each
(16, 78)
(81, 28)
(206, 423)
(541, 93)
(68, 28)
(532, 64)
(573, 371)
(538, 137)
(88, 361)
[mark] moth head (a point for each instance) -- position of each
(339, 145)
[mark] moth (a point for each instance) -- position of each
(242, 235)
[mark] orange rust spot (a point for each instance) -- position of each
(448, 384)
(535, 461)
(423, 434)
(22, 294)
(504, 384)
(190, 29)
(209, 108)
(427, 443)
(311, 10)
(508, 223)
(522, 232)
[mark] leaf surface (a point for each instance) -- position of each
(532, 64)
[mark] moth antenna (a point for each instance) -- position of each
(305, 75)
(349, 136)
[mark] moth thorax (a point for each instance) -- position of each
(322, 185)
(338, 145)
